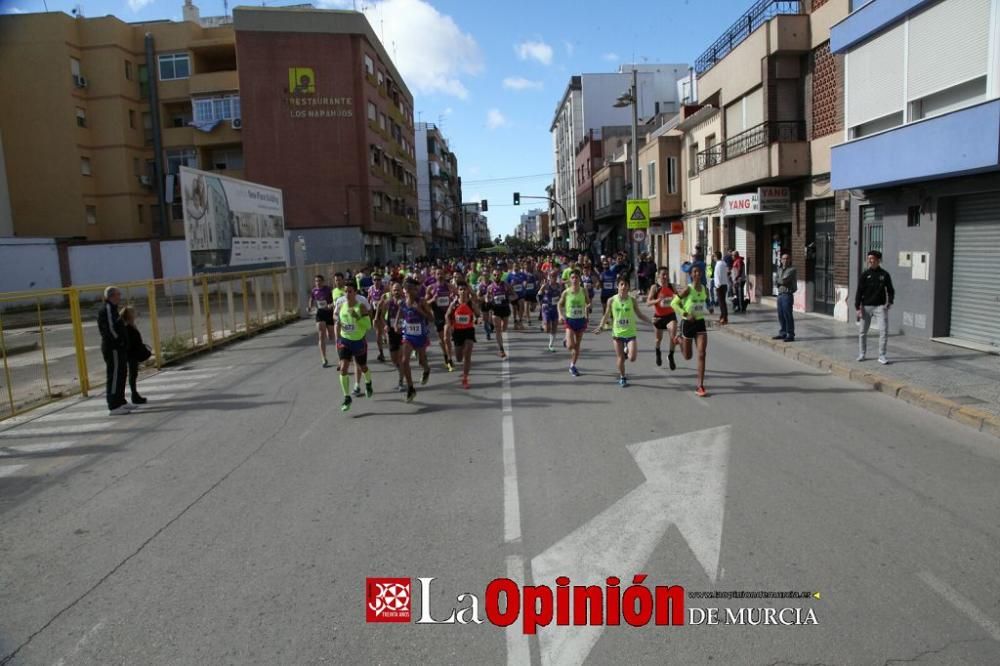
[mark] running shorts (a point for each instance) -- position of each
(460, 336)
(356, 349)
(395, 340)
(325, 316)
(502, 311)
(661, 322)
(417, 342)
(439, 317)
(550, 313)
(624, 340)
(576, 325)
(691, 329)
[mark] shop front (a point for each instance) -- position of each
(759, 226)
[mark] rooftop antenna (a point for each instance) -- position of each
(77, 11)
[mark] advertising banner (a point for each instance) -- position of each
(231, 225)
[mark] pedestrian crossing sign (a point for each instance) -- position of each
(637, 213)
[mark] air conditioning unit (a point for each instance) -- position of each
(145, 180)
(80, 81)
(237, 123)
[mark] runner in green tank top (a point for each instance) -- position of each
(690, 305)
(624, 310)
(572, 309)
(353, 323)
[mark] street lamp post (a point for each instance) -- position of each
(631, 98)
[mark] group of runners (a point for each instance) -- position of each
(400, 306)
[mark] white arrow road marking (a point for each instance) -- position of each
(961, 603)
(685, 486)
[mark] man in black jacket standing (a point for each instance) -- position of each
(114, 347)
(874, 297)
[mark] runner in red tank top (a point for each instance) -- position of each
(664, 319)
(462, 318)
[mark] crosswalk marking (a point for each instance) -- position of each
(13, 450)
(10, 470)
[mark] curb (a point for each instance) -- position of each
(970, 417)
(23, 348)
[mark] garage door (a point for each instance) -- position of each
(975, 291)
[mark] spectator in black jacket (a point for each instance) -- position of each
(874, 297)
(137, 353)
(114, 347)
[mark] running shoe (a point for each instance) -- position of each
(326, 364)
(670, 360)
(552, 349)
(465, 381)
(401, 387)
(381, 357)
(411, 393)
(701, 392)
(424, 377)
(347, 403)
(503, 354)
(573, 371)
(623, 382)
(139, 400)
(448, 364)
(659, 357)
(356, 392)
(369, 391)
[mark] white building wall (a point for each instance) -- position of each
(424, 213)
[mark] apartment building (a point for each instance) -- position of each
(283, 97)
(439, 192)
(588, 103)
(918, 155)
(758, 152)
(661, 183)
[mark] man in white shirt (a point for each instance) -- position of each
(336, 336)
(721, 279)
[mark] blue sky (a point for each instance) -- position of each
(490, 73)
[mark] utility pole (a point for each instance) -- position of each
(634, 94)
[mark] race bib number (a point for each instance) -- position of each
(322, 305)
(575, 312)
(442, 301)
(623, 323)
(348, 327)
(499, 300)
(529, 285)
(697, 308)
(664, 302)
(414, 329)
(609, 285)
(463, 320)
(519, 287)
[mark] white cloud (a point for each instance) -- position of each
(539, 51)
(568, 45)
(495, 119)
(448, 111)
(521, 83)
(136, 5)
(427, 47)
(610, 57)
(13, 10)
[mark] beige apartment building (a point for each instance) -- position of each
(661, 182)
(757, 153)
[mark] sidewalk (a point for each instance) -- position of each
(961, 384)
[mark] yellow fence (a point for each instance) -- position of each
(51, 347)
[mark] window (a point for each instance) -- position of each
(91, 213)
(693, 160)
(651, 170)
(913, 216)
(85, 166)
(128, 71)
(143, 82)
(383, 121)
(74, 68)
(372, 111)
(877, 125)
(956, 97)
(215, 109)
(147, 128)
(671, 175)
(179, 157)
(81, 117)
(229, 158)
(377, 200)
(174, 66)
(369, 66)
(131, 118)
(381, 79)
(871, 230)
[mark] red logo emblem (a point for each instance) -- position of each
(387, 599)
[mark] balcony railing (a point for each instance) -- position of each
(759, 14)
(785, 131)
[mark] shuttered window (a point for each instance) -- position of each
(948, 44)
(875, 78)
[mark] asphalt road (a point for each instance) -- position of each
(236, 517)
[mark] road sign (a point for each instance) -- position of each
(676, 227)
(637, 213)
(638, 235)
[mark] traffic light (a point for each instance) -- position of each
(517, 198)
(484, 206)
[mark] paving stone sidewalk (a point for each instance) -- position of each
(958, 383)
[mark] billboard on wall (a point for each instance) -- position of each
(230, 224)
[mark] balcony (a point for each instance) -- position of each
(214, 82)
(222, 134)
(961, 142)
(769, 151)
(759, 14)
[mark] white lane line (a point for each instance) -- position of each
(961, 603)
(518, 648)
(9, 470)
(8, 451)
(166, 386)
(53, 430)
(82, 643)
